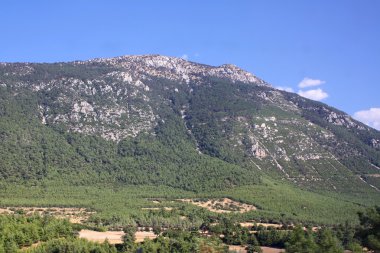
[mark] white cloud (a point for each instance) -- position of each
(317, 94)
(308, 82)
(185, 57)
(288, 89)
(370, 117)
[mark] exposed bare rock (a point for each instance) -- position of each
(375, 143)
(177, 69)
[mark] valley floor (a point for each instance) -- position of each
(117, 205)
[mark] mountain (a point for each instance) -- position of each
(157, 120)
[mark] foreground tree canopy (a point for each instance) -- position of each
(36, 234)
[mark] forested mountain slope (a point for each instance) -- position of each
(137, 120)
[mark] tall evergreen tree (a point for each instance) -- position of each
(301, 242)
(129, 238)
(370, 232)
(328, 242)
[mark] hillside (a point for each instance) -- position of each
(127, 118)
(156, 120)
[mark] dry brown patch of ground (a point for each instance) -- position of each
(241, 249)
(75, 215)
(373, 175)
(141, 235)
(113, 237)
(224, 205)
(157, 208)
(31, 246)
(250, 224)
(237, 249)
(272, 250)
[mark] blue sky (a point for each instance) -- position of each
(329, 47)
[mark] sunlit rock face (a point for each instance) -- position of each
(116, 101)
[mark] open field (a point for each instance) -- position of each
(157, 208)
(142, 235)
(237, 249)
(241, 249)
(113, 237)
(251, 223)
(224, 205)
(272, 250)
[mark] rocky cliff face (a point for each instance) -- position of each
(226, 112)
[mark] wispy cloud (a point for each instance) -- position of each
(309, 82)
(288, 89)
(370, 117)
(317, 94)
(185, 57)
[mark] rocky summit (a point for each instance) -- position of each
(155, 119)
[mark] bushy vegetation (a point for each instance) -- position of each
(369, 231)
(179, 241)
(72, 246)
(50, 235)
(18, 231)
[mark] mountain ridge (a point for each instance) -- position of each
(173, 63)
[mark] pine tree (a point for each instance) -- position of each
(327, 242)
(301, 242)
(129, 238)
(253, 244)
(370, 232)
